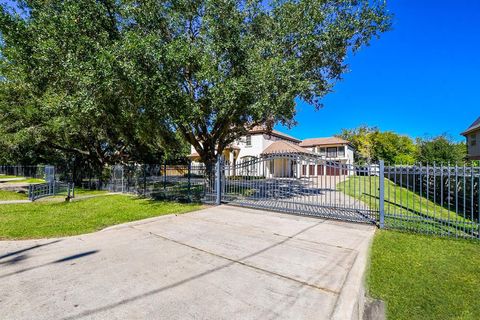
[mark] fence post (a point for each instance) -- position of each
(144, 180)
(30, 192)
(123, 174)
(381, 205)
(164, 176)
(218, 180)
(189, 180)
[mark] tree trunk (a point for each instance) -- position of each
(210, 164)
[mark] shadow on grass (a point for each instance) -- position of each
(443, 224)
(164, 201)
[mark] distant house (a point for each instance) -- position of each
(473, 140)
(259, 142)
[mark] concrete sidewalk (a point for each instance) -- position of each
(218, 263)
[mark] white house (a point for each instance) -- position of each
(472, 134)
(260, 143)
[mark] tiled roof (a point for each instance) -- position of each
(322, 141)
(279, 147)
(275, 133)
(474, 126)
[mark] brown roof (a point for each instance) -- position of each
(279, 147)
(275, 133)
(474, 126)
(322, 141)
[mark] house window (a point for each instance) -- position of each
(332, 152)
(248, 141)
(321, 151)
(473, 139)
(341, 151)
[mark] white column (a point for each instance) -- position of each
(299, 168)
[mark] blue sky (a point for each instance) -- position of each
(420, 79)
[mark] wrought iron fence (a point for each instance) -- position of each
(442, 200)
(433, 199)
(300, 183)
(25, 171)
(183, 182)
(41, 190)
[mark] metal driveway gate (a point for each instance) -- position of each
(440, 200)
(304, 184)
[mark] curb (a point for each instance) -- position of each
(351, 300)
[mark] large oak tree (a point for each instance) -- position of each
(207, 70)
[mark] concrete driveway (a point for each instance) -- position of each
(218, 263)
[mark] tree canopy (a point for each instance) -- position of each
(118, 80)
(441, 150)
(372, 145)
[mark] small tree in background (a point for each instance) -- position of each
(394, 148)
(441, 150)
(372, 145)
(361, 139)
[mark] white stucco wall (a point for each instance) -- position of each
(259, 143)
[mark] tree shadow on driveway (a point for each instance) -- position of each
(9, 254)
(73, 257)
(231, 262)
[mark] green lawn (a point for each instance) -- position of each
(4, 176)
(88, 192)
(22, 180)
(11, 195)
(405, 209)
(6, 195)
(54, 219)
(81, 192)
(425, 277)
(26, 180)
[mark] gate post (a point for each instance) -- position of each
(218, 180)
(189, 185)
(30, 192)
(144, 180)
(123, 173)
(164, 177)
(381, 205)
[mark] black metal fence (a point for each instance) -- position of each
(42, 190)
(182, 182)
(23, 171)
(440, 200)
